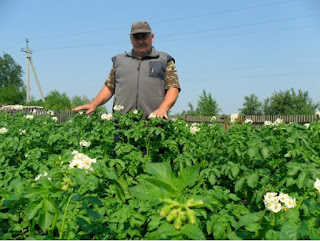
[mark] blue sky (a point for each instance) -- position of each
(230, 48)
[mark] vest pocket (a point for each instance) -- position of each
(157, 69)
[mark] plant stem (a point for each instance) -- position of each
(64, 217)
(303, 198)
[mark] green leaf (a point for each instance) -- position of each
(272, 235)
(293, 170)
(212, 179)
(289, 231)
(290, 181)
(265, 152)
(233, 197)
(233, 236)
(33, 208)
(219, 231)
(45, 220)
(253, 227)
(301, 178)
(167, 230)
(252, 180)
(161, 184)
(252, 152)
(188, 176)
(49, 206)
(248, 219)
(239, 184)
(93, 214)
(147, 191)
(193, 232)
(235, 170)
(161, 171)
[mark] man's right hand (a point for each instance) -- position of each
(89, 107)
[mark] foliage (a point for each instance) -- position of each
(12, 88)
(206, 106)
(289, 102)
(57, 101)
(251, 106)
(79, 100)
(155, 179)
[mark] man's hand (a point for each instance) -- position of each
(160, 113)
(167, 103)
(89, 107)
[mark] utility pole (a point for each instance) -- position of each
(29, 61)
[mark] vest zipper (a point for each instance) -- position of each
(137, 96)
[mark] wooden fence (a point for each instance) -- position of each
(258, 120)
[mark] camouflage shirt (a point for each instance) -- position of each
(171, 77)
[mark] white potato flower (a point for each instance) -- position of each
(54, 118)
(194, 129)
(317, 185)
(268, 197)
(85, 143)
(283, 197)
(152, 115)
(30, 117)
(213, 118)
(267, 123)
(135, 111)
(17, 107)
(290, 202)
(80, 112)
(307, 125)
(278, 121)
(22, 132)
(50, 112)
(234, 117)
(248, 121)
(118, 107)
(3, 130)
(275, 207)
(106, 116)
(81, 161)
(37, 178)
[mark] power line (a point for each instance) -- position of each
(162, 21)
(114, 43)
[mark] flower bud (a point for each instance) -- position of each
(172, 215)
(190, 203)
(165, 210)
(198, 204)
(191, 216)
(177, 223)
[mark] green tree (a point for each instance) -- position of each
(289, 102)
(206, 106)
(251, 106)
(57, 101)
(79, 100)
(12, 87)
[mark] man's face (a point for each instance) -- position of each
(142, 43)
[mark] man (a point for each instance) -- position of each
(140, 79)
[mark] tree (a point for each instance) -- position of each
(79, 100)
(251, 106)
(289, 102)
(57, 101)
(12, 87)
(206, 106)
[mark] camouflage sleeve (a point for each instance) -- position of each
(171, 76)
(111, 80)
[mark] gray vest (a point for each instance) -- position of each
(140, 84)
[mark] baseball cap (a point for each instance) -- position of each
(140, 27)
